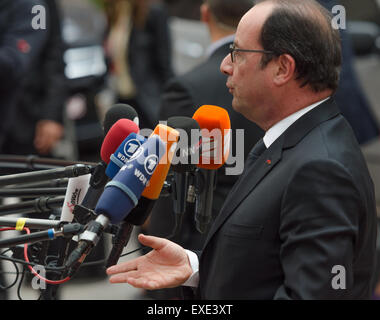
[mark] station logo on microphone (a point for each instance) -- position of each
(150, 164)
(131, 147)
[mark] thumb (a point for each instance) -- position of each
(153, 242)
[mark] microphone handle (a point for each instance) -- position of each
(180, 192)
(120, 241)
(88, 239)
(30, 223)
(203, 207)
(40, 205)
(97, 183)
(42, 175)
(32, 192)
(54, 183)
(50, 234)
(77, 256)
(32, 160)
(27, 238)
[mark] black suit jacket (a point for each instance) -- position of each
(43, 89)
(20, 47)
(183, 95)
(350, 97)
(306, 205)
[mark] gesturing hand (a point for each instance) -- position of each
(166, 266)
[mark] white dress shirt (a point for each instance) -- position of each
(270, 136)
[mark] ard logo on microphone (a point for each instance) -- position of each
(151, 164)
(137, 152)
(131, 147)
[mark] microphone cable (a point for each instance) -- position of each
(30, 267)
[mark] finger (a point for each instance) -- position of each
(123, 267)
(151, 241)
(144, 284)
(123, 277)
(141, 282)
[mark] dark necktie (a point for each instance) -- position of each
(255, 153)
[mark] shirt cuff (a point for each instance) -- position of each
(193, 280)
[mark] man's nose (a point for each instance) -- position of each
(226, 65)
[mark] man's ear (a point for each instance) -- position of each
(285, 69)
(205, 13)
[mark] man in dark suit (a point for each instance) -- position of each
(183, 95)
(301, 221)
(205, 84)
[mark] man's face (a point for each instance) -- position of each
(248, 82)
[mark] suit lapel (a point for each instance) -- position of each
(270, 158)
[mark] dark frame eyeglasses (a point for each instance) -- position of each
(233, 49)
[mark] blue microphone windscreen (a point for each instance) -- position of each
(122, 193)
(123, 153)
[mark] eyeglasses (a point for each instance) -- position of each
(233, 49)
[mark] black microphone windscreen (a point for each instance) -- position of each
(117, 112)
(188, 143)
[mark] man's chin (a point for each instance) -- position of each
(236, 105)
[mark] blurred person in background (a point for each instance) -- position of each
(184, 94)
(350, 96)
(353, 103)
(20, 47)
(138, 47)
(37, 125)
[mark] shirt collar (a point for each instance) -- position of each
(217, 44)
(280, 127)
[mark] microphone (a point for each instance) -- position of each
(149, 196)
(123, 153)
(216, 135)
(39, 205)
(75, 192)
(67, 230)
(120, 195)
(184, 163)
(43, 175)
(31, 223)
(120, 130)
(115, 135)
(32, 192)
(117, 112)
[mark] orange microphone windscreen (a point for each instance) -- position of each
(170, 136)
(215, 127)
